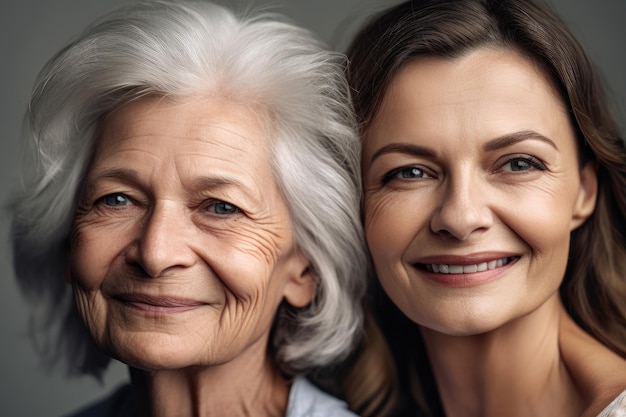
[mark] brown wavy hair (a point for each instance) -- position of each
(594, 286)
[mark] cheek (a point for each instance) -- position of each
(88, 267)
(391, 223)
(93, 251)
(245, 261)
(541, 217)
(92, 310)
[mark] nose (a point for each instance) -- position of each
(164, 242)
(463, 209)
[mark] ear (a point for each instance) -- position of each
(588, 191)
(301, 284)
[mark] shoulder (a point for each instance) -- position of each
(306, 400)
(118, 404)
(617, 408)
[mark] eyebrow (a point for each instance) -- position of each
(497, 143)
(204, 183)
(516, 137)
(124, 174)
(405, 148)
(219, 182)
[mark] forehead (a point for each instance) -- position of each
(486, 90)
(186, 120)
(193, 142)
(481, 71)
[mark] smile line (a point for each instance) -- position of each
(158, 302)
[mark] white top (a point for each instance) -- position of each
(617, 408)
(305, 400)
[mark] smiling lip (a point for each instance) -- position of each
(153, 304)
(466, 271)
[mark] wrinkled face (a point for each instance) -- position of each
(182, 247)
(472, 187)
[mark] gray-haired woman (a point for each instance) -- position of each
(193, 179)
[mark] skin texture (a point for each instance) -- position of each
(466, 199)
(471, 160)
(182, 251)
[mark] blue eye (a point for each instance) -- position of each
(115, 200)
(223, 208)
(411, 172)
(525, 163)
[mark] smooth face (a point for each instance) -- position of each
(182, 247)
(472, 187)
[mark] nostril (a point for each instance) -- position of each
(461, 222)
(142, 262)
(140, 272)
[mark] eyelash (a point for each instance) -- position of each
(534, 163)
(211, 206)
(103, 200)
(393, 174)
(213, 203)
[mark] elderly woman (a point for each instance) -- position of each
(191, 198)
(495, 210)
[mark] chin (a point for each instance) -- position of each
(464, 330)
(161, 361)
(468, 325)
(159, 352)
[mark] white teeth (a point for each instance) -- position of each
(467, 269)
(455, 269)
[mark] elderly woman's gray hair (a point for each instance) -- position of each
(186, 50)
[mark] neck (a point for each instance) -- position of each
(515, 370)
(256, 389)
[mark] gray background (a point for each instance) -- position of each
(32, 30)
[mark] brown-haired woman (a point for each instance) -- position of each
(494, 210)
